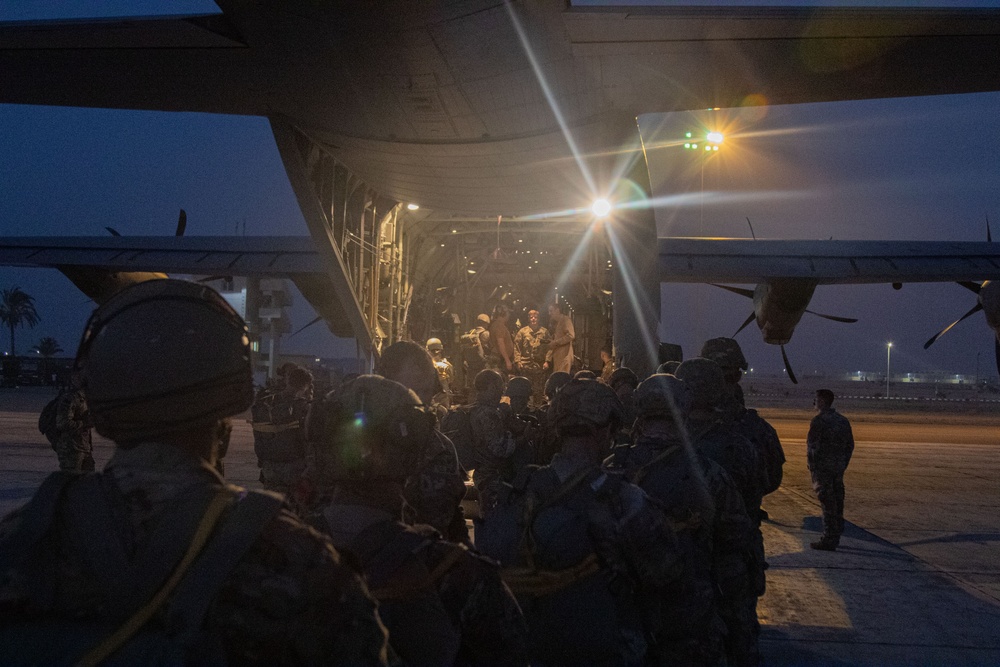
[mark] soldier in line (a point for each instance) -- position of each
(623, 382)
(707, 513)
(71, 438)
(443, 603)
(435, 491)
(279, 434)
(579, 545)
(548, 443)
(482, 438)
(165, 363)
(523, 423)
(713, 435)
(445, 371)
(563, 335)
(829, 446)
(727, 353)
(532, 355)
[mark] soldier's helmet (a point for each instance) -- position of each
(434, 345)
(662, 396)
(371, 428)
(726, 352)
(518, 386)
(556, 382)
(623, 374)
(489, 380)
(705, 380)
(668, 367)
(584, 405)
(163, 356)
(483, 318)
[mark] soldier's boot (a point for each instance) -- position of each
(825, 544)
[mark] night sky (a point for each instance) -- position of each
(922, 168)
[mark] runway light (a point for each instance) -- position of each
(715, 137)
(413, 207)
(601, 207)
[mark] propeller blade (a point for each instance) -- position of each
(846, 320)
(989, 237)
(113, 231)
(306, 326)
(788, 366)
(753, 316)
(748, 293)
(972, 287)
(996, 351)
(975, 309)
(182, 221)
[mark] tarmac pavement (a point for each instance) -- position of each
(916, 579)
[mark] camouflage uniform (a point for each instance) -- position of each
(713, 530)
(435, 493)
(72, 443)
(288, 600)
(829, 446)
(442, 602)
(279, 440)
(493, 444)
(530, 354)
(446, 373)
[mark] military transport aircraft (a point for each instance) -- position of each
(426, 142)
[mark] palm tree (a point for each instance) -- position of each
(17, 308)
(48, 347)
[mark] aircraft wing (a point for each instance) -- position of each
(690, 260)
(100, 265)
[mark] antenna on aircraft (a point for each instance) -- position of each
(752, 235)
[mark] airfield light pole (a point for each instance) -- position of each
(888, 356)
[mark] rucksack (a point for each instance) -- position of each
(152, 633)
(457, 426)
(472, 344)
(577, 612)
(47, 419)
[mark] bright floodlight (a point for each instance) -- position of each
(413, 207)
(601, 207)
(714, 137)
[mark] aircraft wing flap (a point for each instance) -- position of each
(204, 255)
(826, 262)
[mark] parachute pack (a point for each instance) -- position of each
(156, 602)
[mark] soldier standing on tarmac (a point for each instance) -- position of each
(165, 363)
(532, 356)
(72, 440)
(579, 545)
(713, 436)
(829, 446)
(279, 434)
(707, 513)
(442, 603)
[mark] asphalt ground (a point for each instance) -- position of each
(916, 580)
